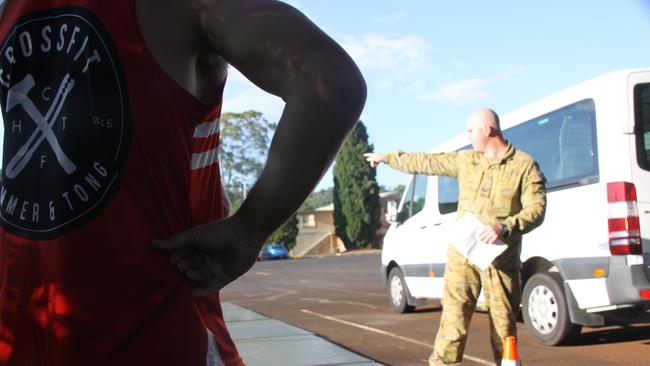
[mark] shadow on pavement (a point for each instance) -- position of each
(612, 335)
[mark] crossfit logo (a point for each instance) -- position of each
(67, 122)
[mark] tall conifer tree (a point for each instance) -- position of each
(356, 193)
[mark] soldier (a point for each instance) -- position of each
(504, 188)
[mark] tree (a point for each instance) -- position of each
(356, 193)
(399, 189)
(287, 233)
(245, 139)
(317, 199)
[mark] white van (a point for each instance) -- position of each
(588, 264)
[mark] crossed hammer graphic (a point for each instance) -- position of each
(16, 96)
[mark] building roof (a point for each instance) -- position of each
(330, 207)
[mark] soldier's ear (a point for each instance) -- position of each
(487, 130)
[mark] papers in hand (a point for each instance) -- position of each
(465, 239)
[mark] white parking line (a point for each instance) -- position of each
(277, 296)
(335, 302)
(389, 334)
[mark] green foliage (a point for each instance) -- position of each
(400, 189)
(287, 233)
(356, 193)
(318, 199)
(245, 140)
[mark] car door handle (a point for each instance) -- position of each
(426, 226)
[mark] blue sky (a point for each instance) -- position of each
(429, 63)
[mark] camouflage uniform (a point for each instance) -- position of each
(510, 192)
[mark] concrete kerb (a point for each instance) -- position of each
(267, 342)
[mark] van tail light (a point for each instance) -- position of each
(624, 230)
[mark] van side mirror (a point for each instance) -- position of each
(391, 211)
(402, 216)
(393, 216)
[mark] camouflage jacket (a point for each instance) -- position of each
(509, 191)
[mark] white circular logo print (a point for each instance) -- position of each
(66, 119)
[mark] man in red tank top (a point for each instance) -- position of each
(113, 241)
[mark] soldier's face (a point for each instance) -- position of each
(476, 133)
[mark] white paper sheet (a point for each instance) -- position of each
(465, 239)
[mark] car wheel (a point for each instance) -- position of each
(398, 291)
(545, 309)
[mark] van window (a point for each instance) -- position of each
(414, 198)
(420, 193)
(563, 143)
(447, 195)
(642, 116)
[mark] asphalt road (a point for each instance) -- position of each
(343, 300)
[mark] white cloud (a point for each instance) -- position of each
(385, 61)
(242, 95)
(458, 63)
(469, 90)
(459, 91)
(392, 18)
(270, 105)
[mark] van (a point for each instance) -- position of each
(588, 264)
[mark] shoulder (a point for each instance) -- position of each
(528, 165)
(466, 159)
(522, 157)
(468, 155)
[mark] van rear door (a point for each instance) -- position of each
(640, 87)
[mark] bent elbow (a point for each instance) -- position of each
(356, 93)
(342, 87)
(330, 78)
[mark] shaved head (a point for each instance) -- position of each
(485, 117)
(483, 130)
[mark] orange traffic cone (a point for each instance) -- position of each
(510, 356)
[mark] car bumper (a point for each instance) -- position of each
(607, 282)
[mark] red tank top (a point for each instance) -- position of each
(103, 152)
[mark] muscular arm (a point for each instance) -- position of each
(282, 52)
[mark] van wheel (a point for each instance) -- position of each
(397, 292)
(545, 309)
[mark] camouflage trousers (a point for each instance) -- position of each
(463, 282)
